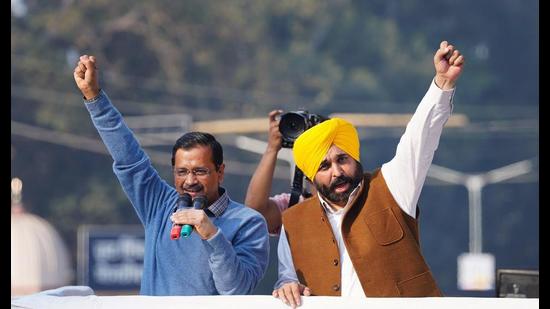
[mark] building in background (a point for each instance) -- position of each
(39, 258)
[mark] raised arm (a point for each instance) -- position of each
(259, 188)
(132, 166)
(406, 172)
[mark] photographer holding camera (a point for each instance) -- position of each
(359, 235)
(259, 188)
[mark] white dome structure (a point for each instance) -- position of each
(39, 258)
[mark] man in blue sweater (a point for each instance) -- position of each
(228, 251)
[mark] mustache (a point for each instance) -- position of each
(339, 181)
(193, 188)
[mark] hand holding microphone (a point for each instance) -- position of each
(198, 203)
(196, 218)
(184, 201)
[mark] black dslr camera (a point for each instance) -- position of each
(293, 124)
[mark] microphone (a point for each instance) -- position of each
(199, 202)
(183, 201)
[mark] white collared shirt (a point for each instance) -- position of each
(404, 175)
(351, 287)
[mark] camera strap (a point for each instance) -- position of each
(296, 190)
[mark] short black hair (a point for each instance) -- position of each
(193, 139)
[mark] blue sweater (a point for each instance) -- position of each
(231, 262)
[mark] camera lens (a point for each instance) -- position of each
(292, 125)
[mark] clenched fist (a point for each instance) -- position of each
(85, 76)
(448, 63)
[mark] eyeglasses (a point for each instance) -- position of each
(198, 172)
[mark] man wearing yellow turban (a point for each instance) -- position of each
(311, 147)
(358, 236)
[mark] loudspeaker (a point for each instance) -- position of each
(517, 283)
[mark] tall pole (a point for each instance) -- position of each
(474, 183)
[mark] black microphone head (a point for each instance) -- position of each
(199, 202)
(185, 200)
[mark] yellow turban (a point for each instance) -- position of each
(311, 147)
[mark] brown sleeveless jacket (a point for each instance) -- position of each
(382, 242)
